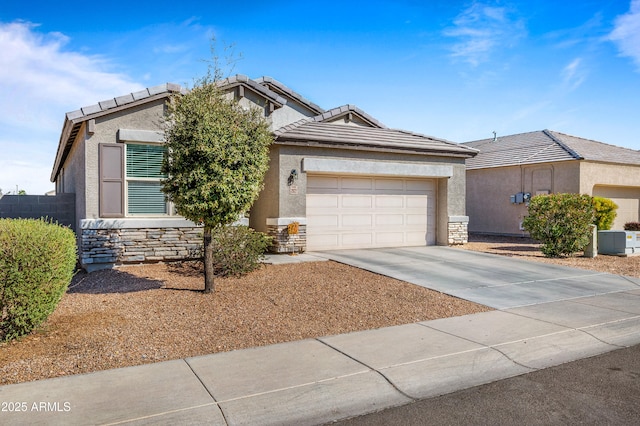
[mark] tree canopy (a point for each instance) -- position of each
(217, 156)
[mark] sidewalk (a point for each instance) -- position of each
(316, 381)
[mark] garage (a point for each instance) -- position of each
(352, 211)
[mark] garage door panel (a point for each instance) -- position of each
(371, 211)
(356, 202)
(357, 239)
(389, 202)
(389, 219)
(319, 220)
(390, 238)
(417, 219)
(421, 185)
(323, 240)
(356, 183)
(418, 239)
(389, 184)
(350, 220)
(417, 202)
(323, 182)
(323, 201)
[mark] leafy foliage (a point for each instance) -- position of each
(632, 226)
(37, 262)
(237, 250)
(605, 210)
(561, 222)
(218, 154)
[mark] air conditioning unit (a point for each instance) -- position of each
(619, 243)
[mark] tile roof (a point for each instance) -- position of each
(239, 79)
(545, 146)
(162, 90)
(73, 120)
(275, 86)
(317, 133)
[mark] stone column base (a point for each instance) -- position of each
(458, 230)
(283, 240)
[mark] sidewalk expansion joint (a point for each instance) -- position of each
(400, 391)
(493, 347)
(208, 391)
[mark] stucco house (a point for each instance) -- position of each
(345, 178)
(510, 169)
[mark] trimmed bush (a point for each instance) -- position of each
(632, 226)
(605, 210)
(561, 222)
(237, 250)
(37, 262)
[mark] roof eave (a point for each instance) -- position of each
(367, 147)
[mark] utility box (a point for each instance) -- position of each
(619, 243)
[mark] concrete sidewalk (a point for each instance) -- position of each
(316, 381)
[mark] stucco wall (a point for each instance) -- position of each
(592, 174)
(488, 193)
(621, 183)
(143, 117)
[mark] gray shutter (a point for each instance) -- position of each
(111, 157)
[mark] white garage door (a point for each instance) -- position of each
(362, 212)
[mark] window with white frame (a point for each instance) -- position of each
(143, 176)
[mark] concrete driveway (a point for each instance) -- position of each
(492, 280)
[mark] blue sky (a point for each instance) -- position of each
(457, 70)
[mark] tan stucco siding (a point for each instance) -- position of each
(488, 194)
(143, 117)
(592, 174)
(621, 183)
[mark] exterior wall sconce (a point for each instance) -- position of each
(293, 176)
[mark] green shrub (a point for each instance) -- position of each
(37, 262)
(605, 210)
(632, 226)
(561, 222)
(237, 250)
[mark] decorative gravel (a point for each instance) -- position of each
(528, 249)
(149, 313)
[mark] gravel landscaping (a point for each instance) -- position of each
(142, 314)
(149, 313)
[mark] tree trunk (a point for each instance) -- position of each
(209, 286)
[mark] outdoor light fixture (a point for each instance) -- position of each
(293, 176)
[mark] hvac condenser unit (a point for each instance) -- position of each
(620, 243)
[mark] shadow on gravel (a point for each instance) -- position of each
(111, 281)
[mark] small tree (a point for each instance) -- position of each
(562, 222)
(217, 156)
(605, 210)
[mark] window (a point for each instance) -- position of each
(143, 175)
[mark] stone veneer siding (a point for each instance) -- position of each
(100, 248)
(285, 243)
(458, 230)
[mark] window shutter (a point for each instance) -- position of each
(111, 169)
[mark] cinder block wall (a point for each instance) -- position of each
(60, 208)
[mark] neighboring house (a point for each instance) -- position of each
(347, 180)
(509, 169)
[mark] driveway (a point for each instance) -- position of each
(491, 280)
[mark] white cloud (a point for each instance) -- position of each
(574, 74)
(626, 33)
(40, 81)
(481, 29)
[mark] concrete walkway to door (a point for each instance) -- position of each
(492, 280)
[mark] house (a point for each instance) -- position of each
(341, 175)
(510, 169)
